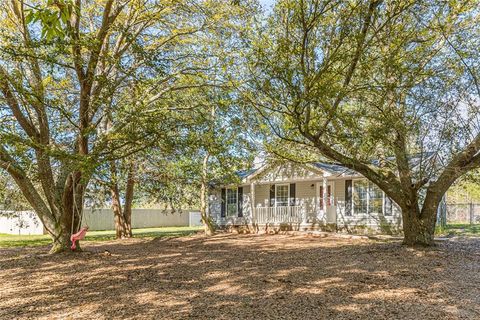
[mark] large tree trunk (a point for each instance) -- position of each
(121, 227)
(127, 211)
(62, 232)
(207, 222)
(123, 224)
(419, 230)
(71, 217)
(61, 240)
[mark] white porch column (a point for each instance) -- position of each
(324, 196)
(317, 200)
(252, 200)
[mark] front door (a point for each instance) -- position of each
(327, 202)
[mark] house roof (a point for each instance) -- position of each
(334, 168)
(246, 173)
(328, 167)
(413, 159)
(337, 169)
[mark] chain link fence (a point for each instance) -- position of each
(463, 213)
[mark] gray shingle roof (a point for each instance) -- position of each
(245, 173)
(334, 168)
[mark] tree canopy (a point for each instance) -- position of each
(170, 95)
(389, 89)
(77, 79)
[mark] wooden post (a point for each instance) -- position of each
(252, 205)
(317, 202)
(471, 212)
(324, 196)
(442, 214)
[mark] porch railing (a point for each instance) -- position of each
(290, 214)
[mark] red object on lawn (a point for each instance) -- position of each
(78, 236)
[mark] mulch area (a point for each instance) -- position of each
(243, 277)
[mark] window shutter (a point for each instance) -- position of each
(272, 195)
(321, 197)
(348, 197)
(292, 194)
(240, 201)
(224, 203)
(329, 195)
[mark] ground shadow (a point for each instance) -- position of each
(244, 277)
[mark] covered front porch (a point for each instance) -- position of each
(304, 196)
(293, 202)
(285, 193)
(280, 215)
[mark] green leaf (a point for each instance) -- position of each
(30, 16)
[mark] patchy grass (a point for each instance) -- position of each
(8, 240)
(460, 229)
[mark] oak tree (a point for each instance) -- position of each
(386, 88)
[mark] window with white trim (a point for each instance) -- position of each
(360, 196)
(232, 202)
(282, 192)
(375, 199)
(367, 197)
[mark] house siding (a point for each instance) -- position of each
(262, 195)
(215, 201)
(216, 204)
(305, 196)
(373, 221)
(339, 200)
(247, 203)
(307, 186)
(286, 172)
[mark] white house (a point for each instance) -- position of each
(294, 196)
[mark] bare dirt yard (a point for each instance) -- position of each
(243, 277)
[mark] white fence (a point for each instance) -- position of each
(464, 213)
(195, 219)
(28, 223)
(20, 222)
(290, 214)
(102, 219)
